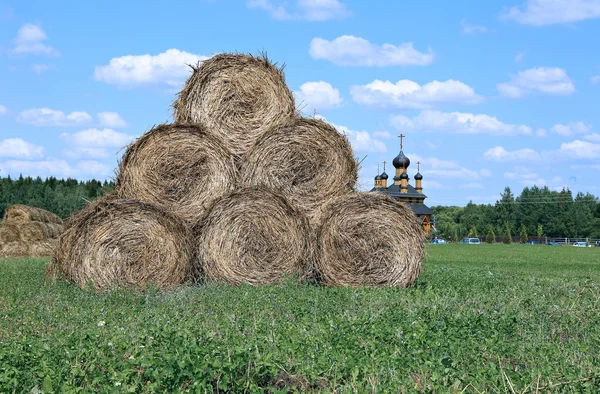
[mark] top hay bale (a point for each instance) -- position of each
(23, 213)
(237, 96)
(181, 168)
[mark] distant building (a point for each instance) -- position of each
(402, 191)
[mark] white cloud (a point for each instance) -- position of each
(457, 122)
(409, 94)
(471, 185)
(320, 95)
(439, 168)
(111, 119)
(551, 80)
(361, 141)
(39, 68)
(48, 167)
(355, 51)
(56, 167)
(382, 134)
(18, 148)
(94, 143)
(168, 68)
(595, 79)
(519, 57)
(570, 129)
(593, 137)
(581, 149)
(467, 28)
(3, 109)
(98, 138)
(548, 12)
(94, 168)
(50, 117)
(500, 154)
(541, 132)
(30, 40)
(311, 10)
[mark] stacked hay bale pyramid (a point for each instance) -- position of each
(240, 189)
(28, 231)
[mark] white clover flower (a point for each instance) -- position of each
(117, 384)
(101, 323)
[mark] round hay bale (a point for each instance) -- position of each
(237, 96)
(43, 248)
(181, 168)
(9, 232)
(34, 232)
(15, 249)
(306, 159)
(23, 213)
(253, 236)
(369, 239)
(123, 242)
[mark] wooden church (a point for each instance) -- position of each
(402, 190)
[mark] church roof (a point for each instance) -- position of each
(394, 191)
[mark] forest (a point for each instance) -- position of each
(536, 211)
(61, 196)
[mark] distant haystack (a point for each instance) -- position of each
(368, 239)
(24, 214)
(237, 96)
(123, 242)
(306, 159)
(29, 232)
(180, 167)
(253, 236)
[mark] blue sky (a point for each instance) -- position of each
(489, 94)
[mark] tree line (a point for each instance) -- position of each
(535, 212)
(61, 196)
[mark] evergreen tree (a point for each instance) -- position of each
(540, 231)
(523, 234)
(490, 238)
(473, 233)
(507, 237)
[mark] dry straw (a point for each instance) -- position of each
(368, 239)
(180, 167)
(123, 242)
(23, 213)
(237, 96)
(306, 159)
(253, 236)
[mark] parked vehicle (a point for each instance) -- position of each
(532, 242)
(579, 244)
(597, 244)
(552, 243)
(471, 241)
(439, 241)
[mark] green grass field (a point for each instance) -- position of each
(481, 318)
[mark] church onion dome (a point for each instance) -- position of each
(418, 177)
(404, 175)
(384, 176)
(378, 177)
(401, 161)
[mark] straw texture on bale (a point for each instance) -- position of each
(23, 213)
(15, 249)
(253, 236)
(306, 159)
(369, 239)
(238, 96)
(123, 242)
(9, 232)
(181, 168)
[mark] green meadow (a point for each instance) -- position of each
(480, 319)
